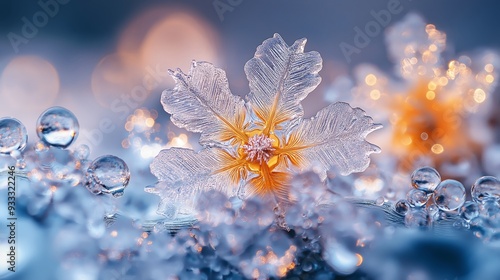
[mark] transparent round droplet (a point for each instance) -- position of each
(489, 209)
(402, 207)
(108, 174)
(417, 198)
(380, 201)
(486, 188)
(57, 127)
(425, 178)
(82, 152)
(13, 135)
(449, 195)
(16, 154)
(433, 212)
(307, 266)
(416, 218)
(469, 210)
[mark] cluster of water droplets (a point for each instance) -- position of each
(51, 171)
(432, 201)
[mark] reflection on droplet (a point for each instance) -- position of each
(13, 135)
(486, 188)
(425, 178)
(30, 81)
(449, 195)
(402, 206)
(108, 174)
(417, 198)
(57, 127)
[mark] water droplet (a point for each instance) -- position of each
(433, 211)
(469, 210)
(416, 218)
(489, 209)
(425, 178)
(57, 127)
(82, 152)
(485, 188)
(380, 201)
(108, 174)
(417, 198)
(16, 154)
(402, 206)
(13, 135)
(307, 265)
(449, 195)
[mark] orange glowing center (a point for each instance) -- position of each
(259, 148)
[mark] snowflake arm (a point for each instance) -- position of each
(202, 102)
(183, 174)
(335, 137)
(280, 77)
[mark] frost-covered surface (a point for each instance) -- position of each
(254, 147)
(328, 237)
(433, 234)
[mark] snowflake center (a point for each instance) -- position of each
(259, 148)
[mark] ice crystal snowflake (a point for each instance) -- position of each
(253, 147)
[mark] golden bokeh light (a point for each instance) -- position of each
(437, 149)
(489, 68)
(479, 95)
(176, 40)
(430, 95)
(156, 40)
(370, 79)
(430, 110)
(427, 126)
(375, 94)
